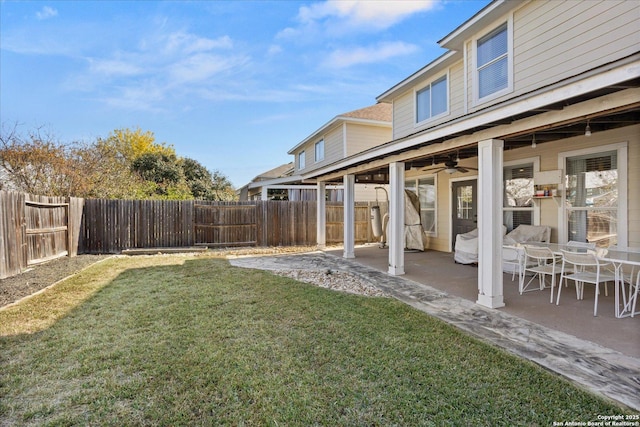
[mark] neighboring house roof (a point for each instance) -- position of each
(277, 172)
(380, 113)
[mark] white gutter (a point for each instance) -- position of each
(628, 71)
(275, 181)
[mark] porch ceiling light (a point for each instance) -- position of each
(587, 130)
(451, 170)
(533, 141)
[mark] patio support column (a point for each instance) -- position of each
(349, 216)
(396, 219)
(490, 163)
(321, 216)
(264, 193)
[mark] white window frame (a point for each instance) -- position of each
(302, 160)
(319, 146)
(621, 148)
(416, 180)
(475, 72)
(424, 86)
(535, 208)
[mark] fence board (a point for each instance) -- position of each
(46, 228)
(13, 257)
(110, 226)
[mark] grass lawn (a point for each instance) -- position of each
(177, 340)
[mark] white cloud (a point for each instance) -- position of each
(147, 97)
(274, 49)
(158, 68)
(201, 67)
(364, 13)
(189, 43)
(114, 67)
(46, 12)
(343, 58)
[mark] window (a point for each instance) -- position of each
(493, 62)
(320, 150)
(301, 160)
(592, 198)
(431, 101)
(518, 188)
(425, 188)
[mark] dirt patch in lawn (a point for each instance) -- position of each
(42, 275)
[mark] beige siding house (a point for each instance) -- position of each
(344, 135)
(532, 116)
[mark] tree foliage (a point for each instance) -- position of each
(126, 164)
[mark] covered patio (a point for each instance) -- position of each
(438, 270)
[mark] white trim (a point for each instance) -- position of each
(490, 181)
(446, 112)
(465, 79)
(301, 165)
(344, 140)
(536, 168)
(416, 179)
(395, 228)
(509, 109)
(275, 181)
(315, 150)
(621, 148)
(349, 216)
(474, 64)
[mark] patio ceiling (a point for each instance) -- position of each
(606, 120)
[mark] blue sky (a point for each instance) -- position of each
(232, 84)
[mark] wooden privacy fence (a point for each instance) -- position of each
(35, 229)
(110, 226)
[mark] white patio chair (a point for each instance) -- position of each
(587, 246)
(541, 262)
(511, 255)
(634, 297)
(583, 267)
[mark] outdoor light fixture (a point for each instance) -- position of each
(533, 141)
(457, 158)
(451, 170)
(587, 130)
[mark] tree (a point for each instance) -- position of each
(205, 185)
(127, 164)
(165, 172)
(127, 145)
(35, 164)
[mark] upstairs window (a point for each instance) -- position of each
(301, 160)
(320, 150)
(431, 101)
(493, 62)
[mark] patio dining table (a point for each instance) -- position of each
(625, 303)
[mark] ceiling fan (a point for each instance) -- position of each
(450, 167)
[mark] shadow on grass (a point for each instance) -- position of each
(196, 341)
